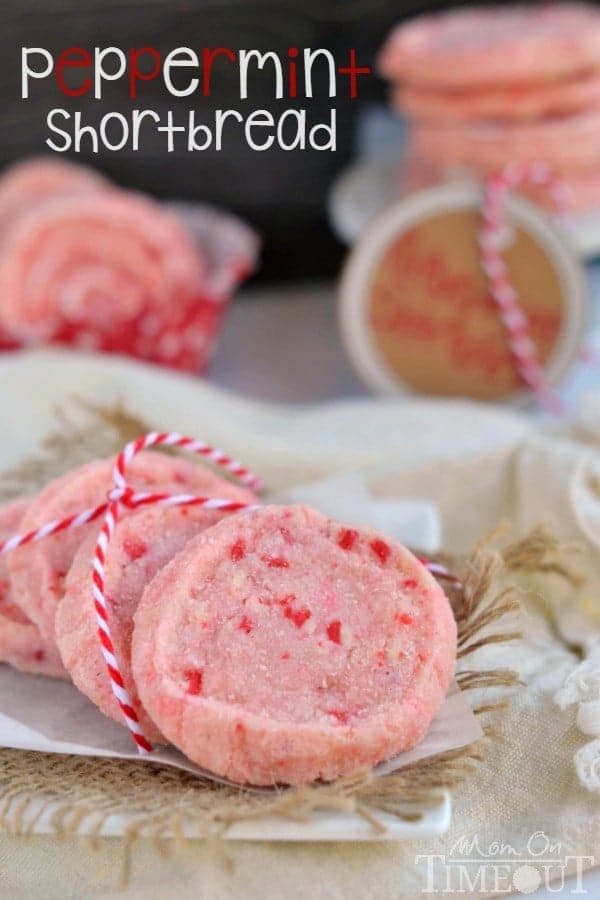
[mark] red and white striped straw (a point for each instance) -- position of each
(502, 291)
(123, 495)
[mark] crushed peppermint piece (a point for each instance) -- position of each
(347, 538)
(193, 678)
(238, 550)
(334, 631)
(134, 549)
(381, 550)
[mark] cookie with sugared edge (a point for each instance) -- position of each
(141, 545)
(506, 102)
(39, 570)
(494, 45)
(567, 144)
(21, 644)
(27, 185)
(280, 646)
(581, 190)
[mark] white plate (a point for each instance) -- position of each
(33, 384)
(319, 826)
(365, 188)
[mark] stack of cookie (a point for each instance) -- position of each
(495, 85)
(273, 645)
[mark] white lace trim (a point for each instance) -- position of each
(582, 686)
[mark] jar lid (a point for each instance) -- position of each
(415, 309)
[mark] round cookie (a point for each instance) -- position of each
(509, 102)
(141, 545)
(569, 144)
(29, 184)
(280, 646)
(21, 644)
(464, 48)
(97, 265)
(38, 571)
(581, 196)
(583, 192)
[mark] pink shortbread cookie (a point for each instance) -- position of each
(494, 45)
(29, 184)
(140, 546)
(100, 268)
(568, 144)
(511, 102)
(280, 646)
(38, 571)
(21, 644)
(581, 194)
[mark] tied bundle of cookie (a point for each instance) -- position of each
(272, 645)
(486, 87)
(87, 264)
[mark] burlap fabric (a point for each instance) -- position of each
(474, 462)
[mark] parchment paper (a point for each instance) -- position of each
(52, 716)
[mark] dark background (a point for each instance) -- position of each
(281, 193)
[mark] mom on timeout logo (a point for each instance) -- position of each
(470, 866)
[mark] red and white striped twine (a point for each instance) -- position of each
(440, 571)
(123, 495)
(173, 439)
(67, 524)
(502, 291)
